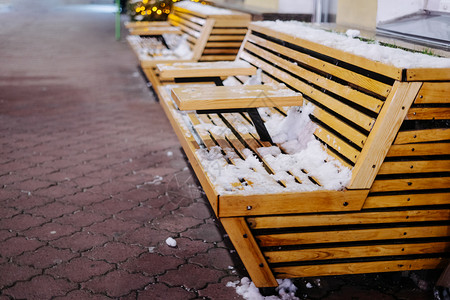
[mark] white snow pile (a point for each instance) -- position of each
(204, 9)
(294, 135)
(152, 48)
(171, 242)
(205, 65)
(156, 181)
(247, 289)
(352, 33)
(391, 56)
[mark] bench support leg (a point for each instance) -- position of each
(249, 252)
(259, 125)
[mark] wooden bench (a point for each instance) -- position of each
(388, 125)
(212, 34)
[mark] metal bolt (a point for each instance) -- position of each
(249, 207)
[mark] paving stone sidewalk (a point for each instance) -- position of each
(93, 180)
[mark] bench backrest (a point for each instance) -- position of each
(213, 33)
(360, 103)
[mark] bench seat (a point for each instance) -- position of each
(370, 191)
(208, 34)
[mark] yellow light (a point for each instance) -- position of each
(203, 2)
(142, 7)
(145, 1)
(167, 11)
(159, 12)
(154, 8)
(163, 4)
(142, 12)
(149, 12)
(138, 9)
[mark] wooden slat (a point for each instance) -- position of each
(351, 218)
(285, 239)
(290, 203)
(201, 43)
(411, 167)
(434, 92)
(191, 32)
(383, 133)
(358, 251)
(345, 110)
(226, 97)
(223, 44)
(360, 267)
(407, 184)
(180, 10)
(232, 23)
(428, 113)
(377, 67)
(428, 74)
(423, 135)
(225, 37)
(336, 143)
(230, 51)
(406, 200)
(323, 66)
(250, 142)
(187, 23)
(212, 69)
(220, 140)
(219, 31)
(188, 16)
(247, 248)
(217, 57)
(347, 92)
(419, 149)
(343, 128)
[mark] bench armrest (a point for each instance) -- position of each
(205, 69)
(157, 30)
(235, 97)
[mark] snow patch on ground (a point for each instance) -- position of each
(171, 242)
(247, 289)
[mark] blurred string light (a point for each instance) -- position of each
(152, 10)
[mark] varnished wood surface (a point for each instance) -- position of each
(428, 74)
(228, 97)
(252, 257)
(212, 69)
(360, 267)
(288, 203)
(383, 134)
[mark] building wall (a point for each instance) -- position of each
(357, 13)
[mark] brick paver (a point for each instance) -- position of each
(92, 177)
